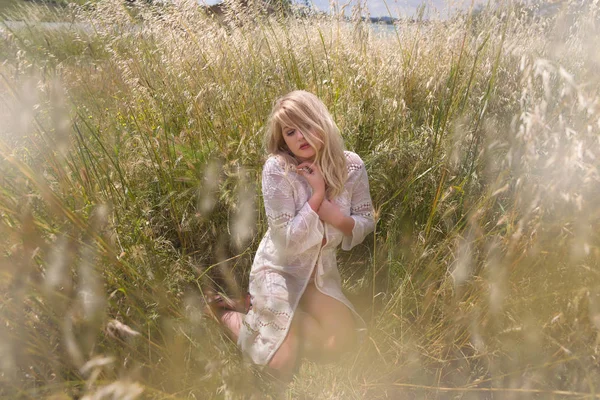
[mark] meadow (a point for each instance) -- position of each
(130, 159)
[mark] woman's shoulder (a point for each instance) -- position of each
(353, 161)
(274, 162)
(277, 164)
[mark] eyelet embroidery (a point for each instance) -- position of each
(259, 321)
(363, 209)
(280, 219)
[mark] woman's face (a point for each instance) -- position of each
(297, 144)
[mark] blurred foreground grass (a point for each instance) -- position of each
(131, 155)
(7, 4)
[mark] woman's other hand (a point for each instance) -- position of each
(331, 213)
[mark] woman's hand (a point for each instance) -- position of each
(315, 179)
(331, 213)
(313, 175)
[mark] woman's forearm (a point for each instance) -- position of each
(344, 223)
(331, 213)
(315, 200)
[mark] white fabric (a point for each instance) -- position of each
(291, 248)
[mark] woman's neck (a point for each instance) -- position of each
(302, 159)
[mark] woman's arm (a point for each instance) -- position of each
(316, 200)
(361, 207)
(331, 213)
(293, 232)
(312, 173)
(360, 222)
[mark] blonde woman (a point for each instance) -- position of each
(316, 196)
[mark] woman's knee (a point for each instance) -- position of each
(339, 343)
(285, 359)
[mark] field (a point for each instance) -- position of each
(130, 159)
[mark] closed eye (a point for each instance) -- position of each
(290, 132)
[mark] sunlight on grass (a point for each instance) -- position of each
(131, 147)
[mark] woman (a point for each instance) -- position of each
(316, 196)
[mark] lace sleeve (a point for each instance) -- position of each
(292, 231)
(361, 208)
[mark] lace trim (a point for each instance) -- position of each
(259, 322)
(286, 217)
(354, 167)
(247, 325)
(275, 312)
(362, 209)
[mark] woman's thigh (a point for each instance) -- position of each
(302, 339)
(334, 317)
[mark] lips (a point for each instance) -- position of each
(304, 146)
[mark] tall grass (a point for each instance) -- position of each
(131, 154)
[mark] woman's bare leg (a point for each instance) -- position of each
(311, 334)
(335, 320)
(323, 328)
(224, 310)
(233, 322)
(303, 339)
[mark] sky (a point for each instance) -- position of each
(397, 8)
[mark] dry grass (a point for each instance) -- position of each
(131, 153)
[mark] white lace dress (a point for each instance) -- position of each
(291, 247)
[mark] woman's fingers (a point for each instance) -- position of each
(308, 167)
(308, 164)
(312, 174)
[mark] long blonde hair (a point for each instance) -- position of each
(305, 111)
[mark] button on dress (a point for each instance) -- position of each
(292, 247)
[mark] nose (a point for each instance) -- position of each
(301, 135)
